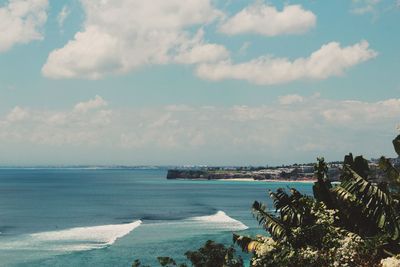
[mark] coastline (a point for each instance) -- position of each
(247, 180)
(267, 180)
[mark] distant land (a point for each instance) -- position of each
(297, 172)
(291, 172)
(294, 172)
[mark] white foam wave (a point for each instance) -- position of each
(105, 234)
(74, 239)
(221, 220)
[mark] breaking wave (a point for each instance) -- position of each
(220, 220)
(74, 239)
(96, 237)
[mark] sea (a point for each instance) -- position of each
(112, 216)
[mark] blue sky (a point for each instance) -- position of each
(197, 82)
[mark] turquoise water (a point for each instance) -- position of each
(110, 217)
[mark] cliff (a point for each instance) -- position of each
(187, 174)
(215, 175)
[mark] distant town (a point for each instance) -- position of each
(294, 172)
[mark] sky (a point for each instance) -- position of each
(197, 82)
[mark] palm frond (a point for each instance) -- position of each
(288, 206)
(343, 195)
(396, 144)
(322, 186)
(270, 223)
(392, 174)
(246, 243)
(377, 204)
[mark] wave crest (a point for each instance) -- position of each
(103, 234)
(221, 220)
(73, 239)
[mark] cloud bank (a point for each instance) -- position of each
(285, 131)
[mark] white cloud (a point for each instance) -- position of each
(264, 19)
(62, 16)
(202, 53)
(17, 114)
(262, 134)
(197, 51)
(330, 60)
(22, 21)
(91, 54)
(362, 112)
(363, 10)
(57, 128)
(290, 99)
(178, 108)
(364, 6)
(122, 35)
(95, 103)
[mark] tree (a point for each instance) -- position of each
(211, 254)
(358, 217)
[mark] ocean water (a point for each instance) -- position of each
(110, 217)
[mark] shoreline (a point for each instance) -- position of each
(267, 180)
(247, 180)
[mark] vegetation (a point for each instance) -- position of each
(210, 255)
(354, 223)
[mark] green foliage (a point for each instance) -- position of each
(323, 185)
(392, 174)
(137, 263)
(396, 144)
(169, 262)
(272, 224)
(210, 255)
(292, 210)
(247, 244)
(355, 223)
(311, 235)
(213, 254)
(378, 209)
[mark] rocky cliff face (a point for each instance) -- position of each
(187, 174)
(204, 174)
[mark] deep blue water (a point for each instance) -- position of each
(72, 217)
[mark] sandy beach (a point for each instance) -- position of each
(268, 180)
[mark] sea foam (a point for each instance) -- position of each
(74, 239)
(96, 237)
(220, 220)
(103, 234)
